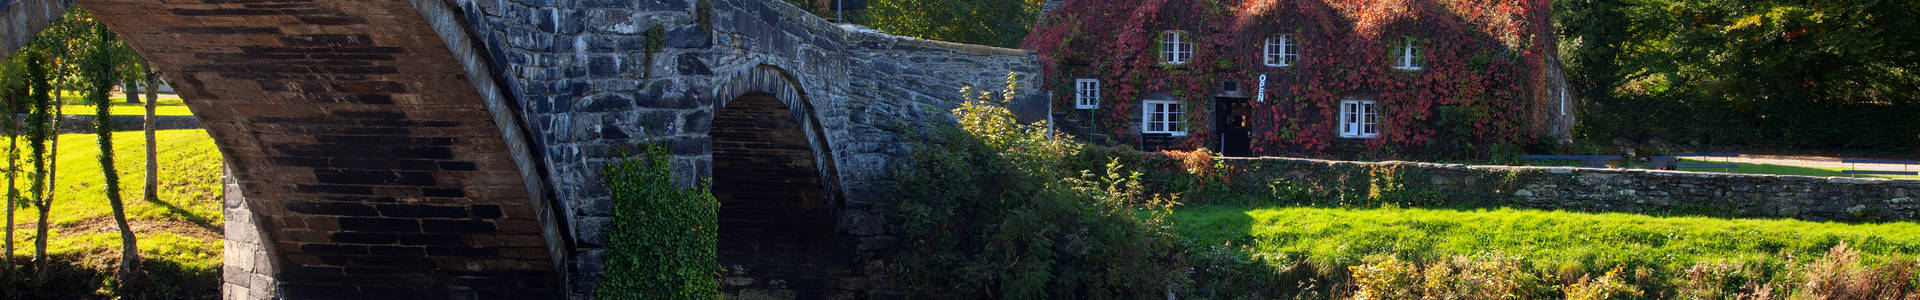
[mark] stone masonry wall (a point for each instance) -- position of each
(1599, 190)
(592, 89)
(21, 20)
(371, 163)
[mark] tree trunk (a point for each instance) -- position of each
(132, 89)
(103, 128)
(153, 163)
(45, 202)
(13, 193)
(98, 73)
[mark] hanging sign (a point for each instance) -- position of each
(1260, 95)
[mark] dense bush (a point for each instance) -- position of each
(995, 209)
(664, 239)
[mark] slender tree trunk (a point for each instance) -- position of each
(13, 191)
(98, 71)
(38, 131)
(45, 203)
(153, 163)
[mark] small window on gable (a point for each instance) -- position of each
(1280, 51)
(1407, 55)
(1086, 93)
(1175, 47)
(1163, 117)
(1359, 119)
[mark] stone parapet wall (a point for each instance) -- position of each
(1596, 190)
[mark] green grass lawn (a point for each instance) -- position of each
(1551, 242)
(169, 105)
(180, 236)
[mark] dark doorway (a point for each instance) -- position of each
(1230, 118)
(776, 223)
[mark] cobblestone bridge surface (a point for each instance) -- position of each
(452, 148)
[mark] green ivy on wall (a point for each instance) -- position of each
(663, 242)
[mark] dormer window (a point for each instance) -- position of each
(1280, 51)
(1086, 93)
(1175, 49)
(1407, 56)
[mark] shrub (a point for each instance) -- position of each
(1385, 277)
(1840, 275)
(663, 240)
(1489, 277)
(993, 209)
(1607, 286)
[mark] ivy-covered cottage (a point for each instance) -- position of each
(1329, 78)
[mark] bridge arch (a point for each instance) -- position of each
(370, 150)
(773, 172)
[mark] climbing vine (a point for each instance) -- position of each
(1480, 81)
(663, 242)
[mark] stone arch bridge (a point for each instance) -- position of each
(451, 148)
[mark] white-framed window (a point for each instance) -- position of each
(1408, 56)
(1175, 49)
(1086, 93)
(1280, 51)
(1359, 119)
(1163, 116)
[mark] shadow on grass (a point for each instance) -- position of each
(197, 220)
(1225, 268)
(71, 279)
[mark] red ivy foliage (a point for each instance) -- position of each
(1481, 80)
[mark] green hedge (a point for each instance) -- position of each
(663, 239)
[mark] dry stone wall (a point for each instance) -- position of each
(1597, 190)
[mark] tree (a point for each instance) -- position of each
(153, 164)
(14, 91)
(99, 72)
(1773, 74)
(40, 129)
(1000, 23)
(62, 44)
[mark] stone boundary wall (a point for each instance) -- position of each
(84, 123)
(1597, 190)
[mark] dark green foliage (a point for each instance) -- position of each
(1000, 23)
(996, 210)
(663, 241)
(1753, 75)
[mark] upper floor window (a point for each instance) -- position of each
(1407, 55)
(1086, 93)
(1359, 119)
(1163, 117)
(1175, 48)
(1280, 51)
